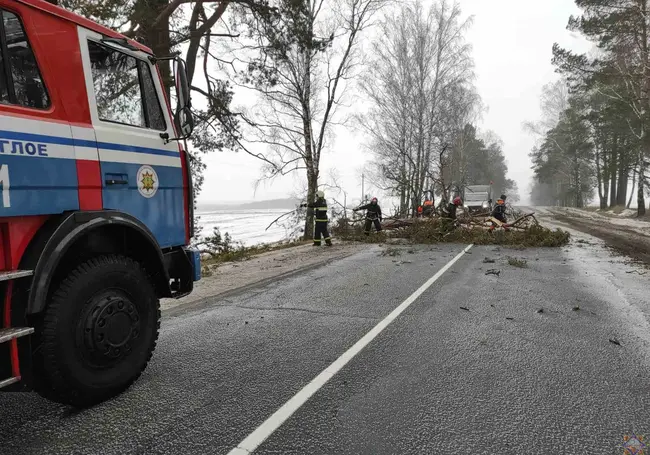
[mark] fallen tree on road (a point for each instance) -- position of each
(524, 231)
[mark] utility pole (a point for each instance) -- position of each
(363, 190)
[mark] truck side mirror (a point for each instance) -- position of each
(183, 116)
(184, 122)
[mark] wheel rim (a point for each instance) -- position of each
(110, 328)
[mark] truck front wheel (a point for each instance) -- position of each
(98, 332)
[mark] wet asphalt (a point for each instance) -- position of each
(497, 377)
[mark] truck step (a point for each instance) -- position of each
(15, 274)
(8, 382)
(14, 332)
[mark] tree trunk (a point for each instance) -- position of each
(605, 175)
(612, 189)
(599, 177)
(629, 201)
(311, 156)
(157, 38)
(578, 183)
(612, 172)
(645, 100)
(640, 198)
(403, 208)
(603, 204)
(623, 177)
(419, 164)
(312, 187)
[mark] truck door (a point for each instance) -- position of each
(141, 173)
(38, 173)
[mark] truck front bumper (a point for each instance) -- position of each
(195, 259)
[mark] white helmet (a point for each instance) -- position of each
(320, 194)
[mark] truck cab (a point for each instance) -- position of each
(478, 198)
(96, 214)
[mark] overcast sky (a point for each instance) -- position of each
(512, 42)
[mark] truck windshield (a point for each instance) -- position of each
(124, 89)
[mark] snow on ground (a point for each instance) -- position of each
(633, 224)
(627, 213)
(245, 226)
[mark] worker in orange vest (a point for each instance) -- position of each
(428, 207)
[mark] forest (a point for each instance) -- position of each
(593, 140)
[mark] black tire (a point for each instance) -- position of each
(98, 332)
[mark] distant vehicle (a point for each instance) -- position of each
(96, 222)
(478, 198)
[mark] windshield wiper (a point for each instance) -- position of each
(120, 42)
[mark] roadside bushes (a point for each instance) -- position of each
(217, 244)
(220, 248)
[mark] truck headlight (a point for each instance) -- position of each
(485, 205)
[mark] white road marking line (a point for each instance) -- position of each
(270, 425)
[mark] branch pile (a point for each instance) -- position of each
(525, 231)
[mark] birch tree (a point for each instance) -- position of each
(300, 70)
(421, 95)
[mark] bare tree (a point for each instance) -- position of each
(300, 68)
(421, 93)
(389, 87)
(553, 102)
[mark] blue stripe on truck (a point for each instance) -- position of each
(17, 136)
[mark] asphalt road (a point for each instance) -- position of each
(497, 378)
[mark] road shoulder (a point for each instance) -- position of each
(236, 277)
(629, 237)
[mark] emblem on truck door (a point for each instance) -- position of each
(147, 181)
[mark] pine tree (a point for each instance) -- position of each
(621, 30)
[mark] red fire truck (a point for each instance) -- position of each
(96, 214)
